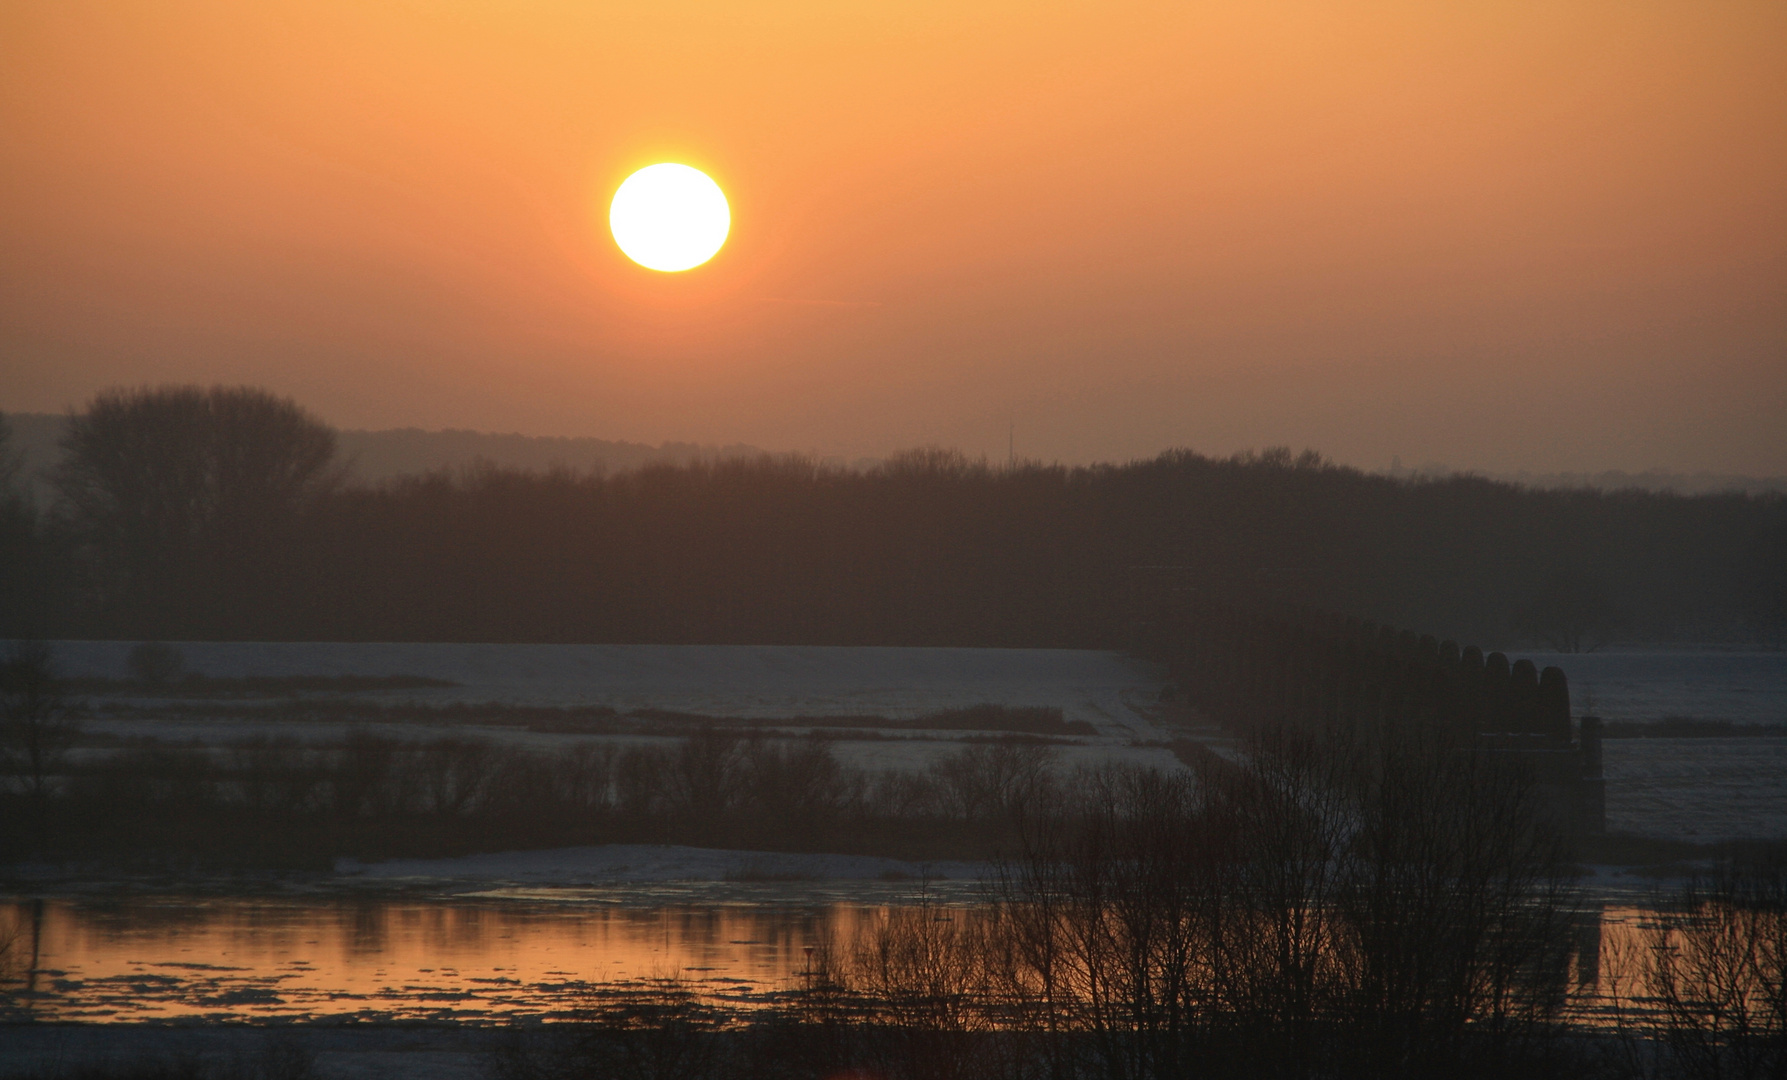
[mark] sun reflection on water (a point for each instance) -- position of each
(500, 956)
(376, 958)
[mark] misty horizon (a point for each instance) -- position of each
(376, 455)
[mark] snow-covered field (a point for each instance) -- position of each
(1108, 690)
(1694, 789)
(721, 680)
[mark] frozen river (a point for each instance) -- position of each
(1695, 789)
(1700, 790)
(502, 955)
(378, 959)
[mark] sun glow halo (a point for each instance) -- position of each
(669, 217)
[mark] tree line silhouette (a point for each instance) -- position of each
(191, 513)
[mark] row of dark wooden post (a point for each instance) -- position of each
(1254, 665)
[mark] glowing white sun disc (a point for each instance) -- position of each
(669, 217)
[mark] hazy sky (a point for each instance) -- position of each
(1497, 234)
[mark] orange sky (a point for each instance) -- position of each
(1490, 233)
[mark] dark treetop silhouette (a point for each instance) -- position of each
(191, 513)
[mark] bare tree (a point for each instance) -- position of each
(797, 784)
(1571, 612)
(705, 777)
(583, 777)
(1381, 904)
(987, 781)
(1454, 905)
(177, 489)
(9, 935)
(1715, 967)
(454, 776)
(1284, 819)
(10, 460)
(37, 736)
(276, 775)
(19, 584)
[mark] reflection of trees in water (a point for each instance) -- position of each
(707, 936)
(981, 967)
(1693, 985)
(459, 927)
(365, 923)
(1714, 968)
(124, 920)
(21, 932)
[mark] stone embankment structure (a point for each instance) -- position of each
(1252, 666)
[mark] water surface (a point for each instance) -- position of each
(164, 958)
(499, 957)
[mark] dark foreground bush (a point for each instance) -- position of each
(1380, 906)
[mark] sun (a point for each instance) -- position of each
(669, 217)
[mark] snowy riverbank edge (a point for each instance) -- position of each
(637, 864)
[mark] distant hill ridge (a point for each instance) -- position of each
(381, 455)
(374, 456)
(1659, 480)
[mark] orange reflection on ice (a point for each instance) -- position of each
(261, 958)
